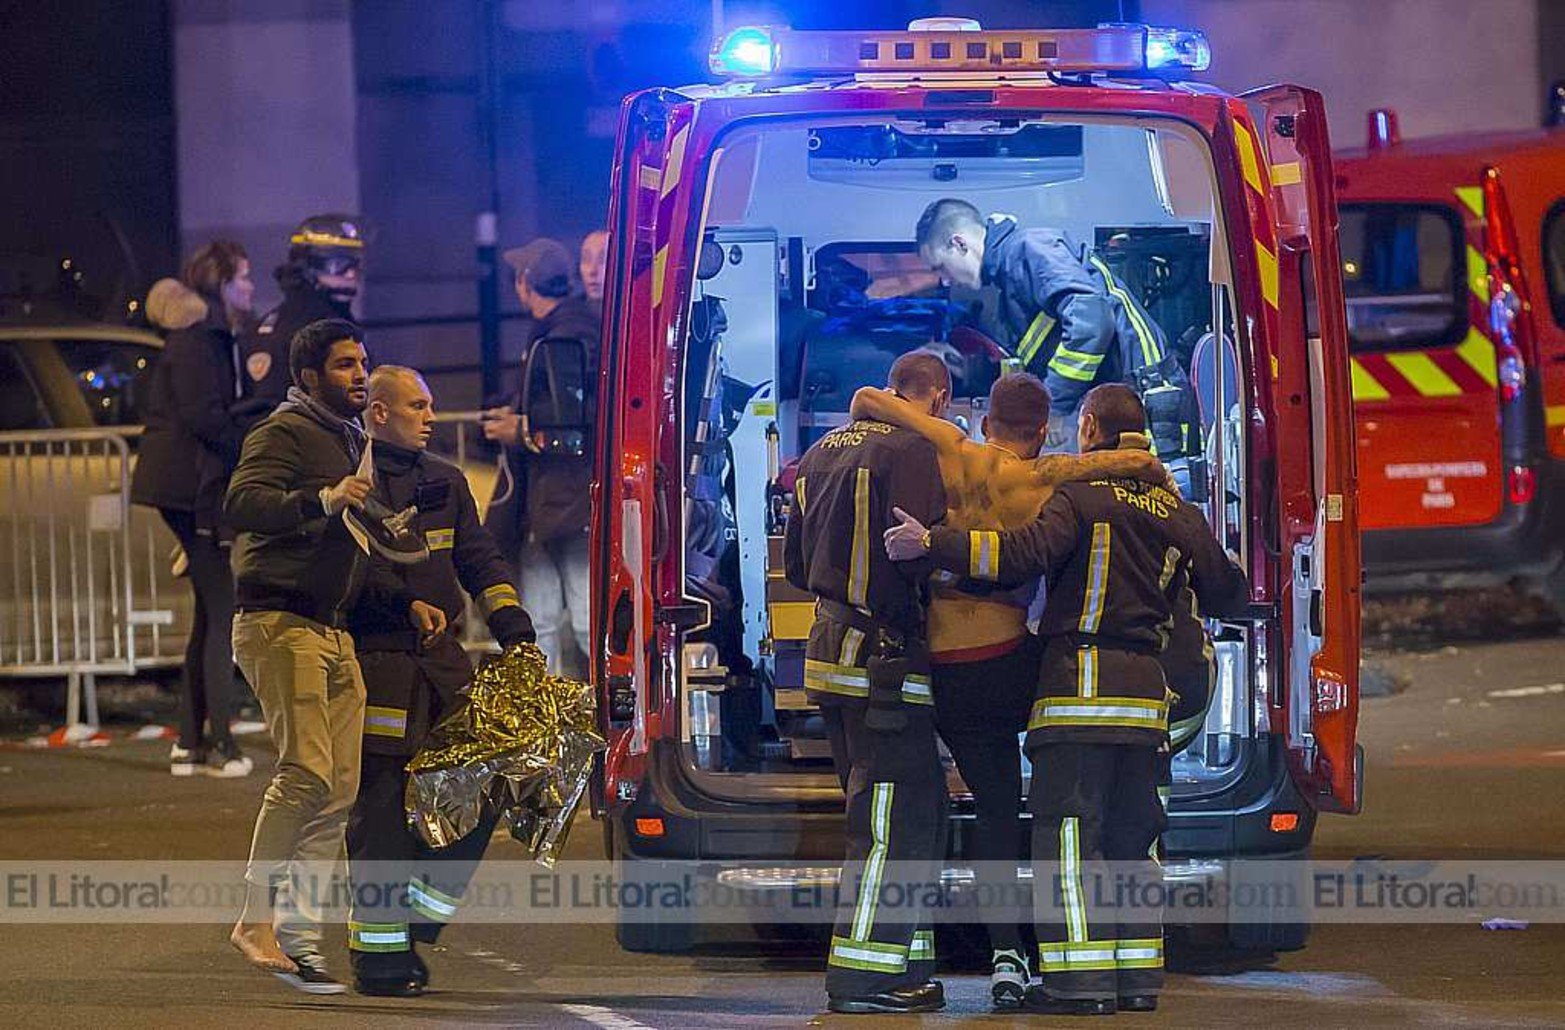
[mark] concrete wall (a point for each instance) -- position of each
(264, 91)
(1475, 65)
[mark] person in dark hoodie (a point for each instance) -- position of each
(299, 572)
(319, 280)
(187, 452)
(405, 891)
(542, 524)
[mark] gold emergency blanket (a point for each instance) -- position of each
(519, 738)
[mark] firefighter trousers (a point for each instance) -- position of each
(403, 890)
(981, 709)
(896, 808)
(1096, 819)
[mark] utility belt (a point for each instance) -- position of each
(1077, 641)
(896, 668)
(408, 640)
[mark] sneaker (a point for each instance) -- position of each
(1008, 981)
(312, 977)
(184, 761)
(228, 763)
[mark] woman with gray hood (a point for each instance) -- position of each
(187, 453)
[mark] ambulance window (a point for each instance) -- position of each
(1554, 259)
(1402, 276)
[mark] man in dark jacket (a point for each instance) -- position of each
(411, 680)
(299, 572)
(1110, 551)
(1070, 322)
(319, 280)
(542, 523)
(867, 666)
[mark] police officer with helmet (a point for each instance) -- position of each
(1116, 554)
(1070, 321)
(320, 279)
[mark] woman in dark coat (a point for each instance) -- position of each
(189, 449)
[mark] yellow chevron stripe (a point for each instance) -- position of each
(1268, 266)
(1288, 173)
(1554, 415)
(1426, 376)
(1472, 196)
(1248, 158)
(1365, 386)
(1477, 274)
(1478, 352)
(675, 162)
(659, 269)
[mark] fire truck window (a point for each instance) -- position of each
(1554, 259)
(1402, 276)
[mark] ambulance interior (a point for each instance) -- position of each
(810, 287)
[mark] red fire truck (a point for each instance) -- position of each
(762, 269)
(1453, 264)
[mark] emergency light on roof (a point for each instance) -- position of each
(764, 51)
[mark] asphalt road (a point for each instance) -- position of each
(1467, 762)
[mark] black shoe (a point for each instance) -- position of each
(926, 997)
(390, 987)
(312, 977)
(421, 971)
(1137, 1003)
(1039, 1000)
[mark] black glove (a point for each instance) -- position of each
(511, 626)
(886, 670)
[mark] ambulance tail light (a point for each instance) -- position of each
(1521, 484)
(1510, 313)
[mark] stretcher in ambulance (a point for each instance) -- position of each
(762, 269)
(1453, 263)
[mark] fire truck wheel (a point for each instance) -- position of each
(1268, 936)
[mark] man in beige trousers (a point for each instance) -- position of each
(299, 574)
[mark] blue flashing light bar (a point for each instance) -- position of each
(766, 51)
(1170, 50)
(747, 52)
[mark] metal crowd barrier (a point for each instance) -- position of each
(86, 586)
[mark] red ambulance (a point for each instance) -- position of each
(762, 269)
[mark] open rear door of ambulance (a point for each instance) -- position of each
(1321, 698)
(629, 527)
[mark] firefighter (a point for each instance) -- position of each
(1070, 322)
(319, 280)
(984, 661)
(404, 892)
(867, 667)
(1110, 551)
